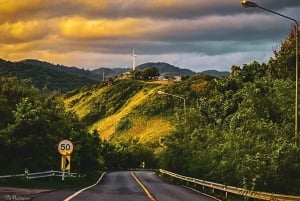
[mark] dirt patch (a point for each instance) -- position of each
(9, 193)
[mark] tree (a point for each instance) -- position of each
(149, 73)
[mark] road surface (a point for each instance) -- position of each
(131, 186)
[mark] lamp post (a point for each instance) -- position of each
(184, 108)
(249, 4)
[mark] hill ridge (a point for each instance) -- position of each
(45, 75)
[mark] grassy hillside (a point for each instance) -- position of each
(112, 110)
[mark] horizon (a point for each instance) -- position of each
(107, 67)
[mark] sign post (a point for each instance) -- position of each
(65, 162)
(65, 148)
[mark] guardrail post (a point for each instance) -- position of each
(26, 172)
(63, 175)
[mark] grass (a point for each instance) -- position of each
(147, 130)
(84, 102)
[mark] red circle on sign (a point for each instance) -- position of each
(65, 147)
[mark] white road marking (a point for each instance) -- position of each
(80, 191)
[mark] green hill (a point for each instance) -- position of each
(166, 69)
(46, 76)
(116, 113)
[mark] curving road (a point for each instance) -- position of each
(133, 186)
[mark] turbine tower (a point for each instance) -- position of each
(133, 60)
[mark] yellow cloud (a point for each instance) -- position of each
(9, 6)
(23, 31)
(78, 27)
(17, 52)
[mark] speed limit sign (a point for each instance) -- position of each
(65, 147)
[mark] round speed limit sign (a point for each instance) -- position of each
(65, 147)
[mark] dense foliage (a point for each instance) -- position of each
(146, 74)
(241, 132)
(32, 124)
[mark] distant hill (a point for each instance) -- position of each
(69, 70)
(48, 76)
(166, 69)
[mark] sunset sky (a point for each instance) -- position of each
(194, 34)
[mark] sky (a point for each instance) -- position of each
(194, 34)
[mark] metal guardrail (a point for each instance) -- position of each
(233, 190)
(44, 174)
(12, 175)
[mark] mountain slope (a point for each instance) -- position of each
(66, 69)
(43, 76)
(139, 129)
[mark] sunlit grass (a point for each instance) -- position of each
(83, 104)
(147, 130)
(143, 128)
(106, 127)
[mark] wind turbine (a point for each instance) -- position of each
(133, 60)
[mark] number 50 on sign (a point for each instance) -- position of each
(65, 147)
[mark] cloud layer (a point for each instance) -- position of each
(195, 34)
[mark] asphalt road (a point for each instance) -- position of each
(130, 186)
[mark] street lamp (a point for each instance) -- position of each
(249, 4)
(184, 108)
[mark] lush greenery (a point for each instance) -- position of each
(147, 74)
(241, 131)
(33, 123)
